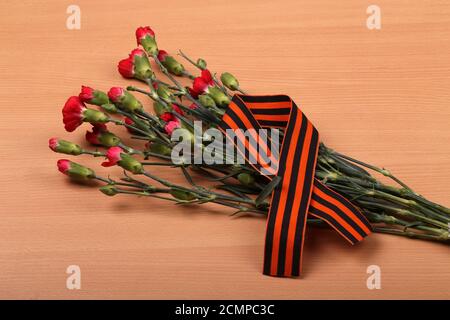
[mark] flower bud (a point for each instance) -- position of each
(131, 164)
(109, 107)
(160, 149)
(171, 126)
(246, 179)
(202, 84)
(63, 146)
(136, 66)
(160, 109)
(146, 38)
(75, 113)
(124, 100)
(229, 81)
(167, 116)
(92, 96)
(182, 195)
(171, 64)
(116, 155)
(109, 190)
(164, 93)
(75, 170)
(220, 98)
(95, 116)
(101, 136)
(201, 63)
(206, 101)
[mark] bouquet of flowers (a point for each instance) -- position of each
(180, 100)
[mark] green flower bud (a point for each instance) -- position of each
(149, 45)
(75, 170)
(109, 190)
(92, 96)
(159, 149)
(131, 164)
(246, 179)
(99, 98)
(201, 63)
(182, 195)
(94, 116)
(66, 147)
(109, 107)
(206, 101)
(131, 104)
(124, 100)
(108, 139)
(164, 93)
(171, 64)
(219, 97)
(229, 81)
(101, 136)
(142, 68)
(159, 108)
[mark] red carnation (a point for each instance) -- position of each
(116, 93)
(177, 109)
(171, 126)
(86, 94)
(202, 83)
(143, 32)
(73, 113)
(126, 67)
(63, 165)
(93, 137)
(128, 121)
(113, 155)
(137, 52)
(136, 65)
(167, 116)
(162, 55)
(53, 143)
(207, 77)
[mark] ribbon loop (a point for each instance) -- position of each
(298, 194)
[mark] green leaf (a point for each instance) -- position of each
(267, 190)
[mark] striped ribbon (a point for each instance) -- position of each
(298, 194)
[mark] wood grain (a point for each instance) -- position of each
(382, 96)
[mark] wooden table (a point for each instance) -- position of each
(379, 95)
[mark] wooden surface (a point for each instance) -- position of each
(379, 95)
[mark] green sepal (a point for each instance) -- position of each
(94, 116)
(109, 107)
(206, 101)
(246, 179)
(129, 163)
(109, 190)
(229, 81)
(99, 98)
(108, 139)
(201, 63)
(173, 65)
(68, 147)
(159, 108)
(77, 171)
(142, 68)
(182, 195)
(220, 98)
(129, 103)
(149, 45)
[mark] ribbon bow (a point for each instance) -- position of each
(297, 194)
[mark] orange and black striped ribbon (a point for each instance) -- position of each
(298, 194)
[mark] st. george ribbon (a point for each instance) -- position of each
(298, 194)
